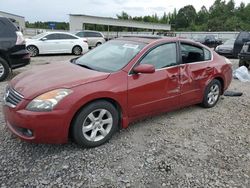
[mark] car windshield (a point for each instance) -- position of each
(110, 56)
(39, 36)
(230, 42)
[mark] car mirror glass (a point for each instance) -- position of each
(43, 39)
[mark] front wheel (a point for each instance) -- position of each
(212, 94)
(33, 50)
(4, 69)
(95, 124)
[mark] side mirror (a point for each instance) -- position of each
(144, 68)
(43, 39)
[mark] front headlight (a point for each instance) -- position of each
(47, 101)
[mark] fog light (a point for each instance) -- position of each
(29, 133)
(25, 132)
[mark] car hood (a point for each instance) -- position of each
(53, 76)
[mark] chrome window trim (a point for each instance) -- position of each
(177, 65)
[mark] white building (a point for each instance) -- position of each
(77, 21)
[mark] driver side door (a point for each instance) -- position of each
(159, 91)
(50, 44)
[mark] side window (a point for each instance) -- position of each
(92, 34)
(65, 36)
(207, 55)
(191, 54)
(87, 34)
(51, 37)
(97, 34)
(162, 56)
(80, 34)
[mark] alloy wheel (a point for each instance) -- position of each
(1, 70)
(77, 50)
(213, 94)
(97, 125)
(32, 50)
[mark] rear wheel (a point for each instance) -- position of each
(77, 50)
(212, 94)
(33, 50)
(95, 124)
(243, 63)
(4, 69)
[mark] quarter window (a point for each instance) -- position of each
(162, 56)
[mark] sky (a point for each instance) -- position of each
(59, 10)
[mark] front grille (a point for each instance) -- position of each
(12, 98)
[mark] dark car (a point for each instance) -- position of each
(209, 40)
(239, 42)
(244, 55)
(226, 49)
(13, 53)
(121, 81)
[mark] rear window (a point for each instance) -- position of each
(7, 28)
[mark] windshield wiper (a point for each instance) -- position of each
(85, 66)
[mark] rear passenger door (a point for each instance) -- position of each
(195, 70)
(66, 42)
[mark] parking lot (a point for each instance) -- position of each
(191, 147)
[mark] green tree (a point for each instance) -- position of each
(186, 16)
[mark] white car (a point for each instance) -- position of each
(56, 42)
(94, 38)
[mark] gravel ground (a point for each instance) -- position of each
(191, 147)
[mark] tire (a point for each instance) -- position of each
(243, 63)
(4, 69)
(98, 44)
(77, 50)
(89, 128)
(212, 94)
(33, 50)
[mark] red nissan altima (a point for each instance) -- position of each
(114, 84)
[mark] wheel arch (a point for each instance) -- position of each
(76, 45)
(222, 82)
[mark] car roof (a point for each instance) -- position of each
(150, 39)
(88, 31)
(57, 32)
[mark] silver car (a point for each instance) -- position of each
(93, 38)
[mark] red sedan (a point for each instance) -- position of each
(112, 85)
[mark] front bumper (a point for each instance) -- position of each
(46, 127)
